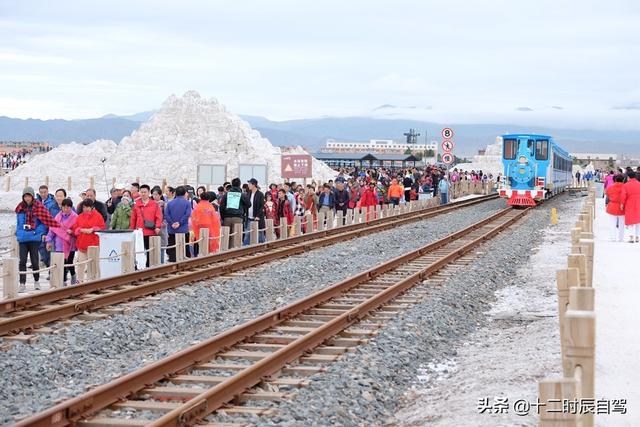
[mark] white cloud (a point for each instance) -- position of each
(469, 60)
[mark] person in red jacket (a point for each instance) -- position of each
(85, 227)
(630, 198)
(146, 215)
(369, 198)
(615, 208)
(283, 210)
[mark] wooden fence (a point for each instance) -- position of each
(229, 238)
(566, 401)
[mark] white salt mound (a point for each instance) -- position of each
(489, 162)
(185, 132)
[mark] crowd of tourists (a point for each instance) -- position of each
(11, 160)
(49, 222)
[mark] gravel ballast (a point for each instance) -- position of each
(366, 387)
(35, 376)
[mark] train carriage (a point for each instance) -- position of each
(535, 168)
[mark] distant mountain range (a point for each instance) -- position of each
(312, 133)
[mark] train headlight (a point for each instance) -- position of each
(522, 160)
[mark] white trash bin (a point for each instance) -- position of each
(110, 245)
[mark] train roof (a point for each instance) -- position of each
(537, 136)
(534, 135)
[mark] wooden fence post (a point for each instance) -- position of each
(46, 181)
(581, 298)
(579, 261)
(92, 182)
(180, 247)
(308, 219)
(154, 251)
(224, 238)
(283, 228)
(270, 235)
(7, 183)
(93, 253)
(128, 257)
(10, 277)
(14, 245)
(580, 330)
(203, 246)
(329, 219)
(238, 235)
(587, 249)
(552, 393)
(68, 183)
(565, 280)
(320, 221)
(57, 269)
(253, 232)
(339, 218)
(349, 217)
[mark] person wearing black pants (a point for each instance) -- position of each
(31, 249)
(71, 269)
(407, 182)
(435, 180)
(171, 252)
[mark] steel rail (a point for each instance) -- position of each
(73, 410)
(51, 305)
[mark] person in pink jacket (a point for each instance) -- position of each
(63, 239)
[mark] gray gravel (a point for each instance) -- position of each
(364, 388)
(35, 376)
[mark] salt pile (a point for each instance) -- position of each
(185, 132)
(490, 162)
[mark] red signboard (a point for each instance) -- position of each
(296, 166)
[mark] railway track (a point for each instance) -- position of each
(34, 311)
(264, 359)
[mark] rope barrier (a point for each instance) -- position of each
(194, 242)
(79, 263)
(111, 257)
(42, 270)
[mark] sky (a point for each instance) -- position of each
(571, 63)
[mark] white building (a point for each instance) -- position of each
(376, 146)
(598, 160)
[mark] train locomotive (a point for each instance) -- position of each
(535, 168)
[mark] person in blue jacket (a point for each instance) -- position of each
(32, 224)
(443, 187)
(177, 213)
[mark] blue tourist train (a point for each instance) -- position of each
(535, 168)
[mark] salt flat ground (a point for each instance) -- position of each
(520, 343)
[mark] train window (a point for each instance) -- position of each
(510, 149)
(530, 146)
(542, 149)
